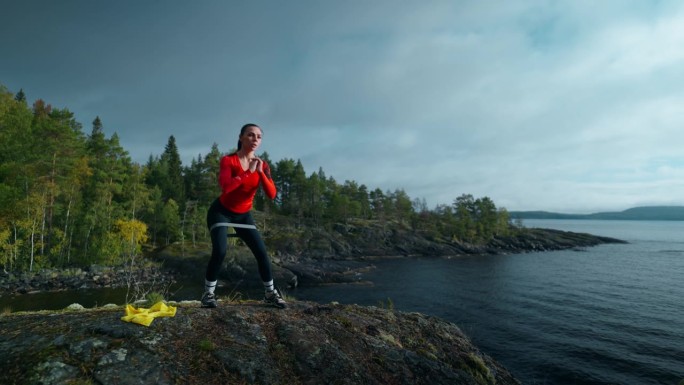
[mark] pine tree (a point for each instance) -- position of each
(20, 97)
(97, 127)
(283, 175)
(261, 201)
(315, 200)
(174, 188)
(104, 198)
(209, 185)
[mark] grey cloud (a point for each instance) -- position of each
(535, 104)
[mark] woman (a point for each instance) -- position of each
(241, 173)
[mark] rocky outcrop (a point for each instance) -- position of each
(308, 256)
(535, 240)
(341, 256)
(244, 343)
(92, 277)
(314, 256)
(351, 241)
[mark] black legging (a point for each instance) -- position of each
(219, 241)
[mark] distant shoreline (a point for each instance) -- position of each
(646, 213)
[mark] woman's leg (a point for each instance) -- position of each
(252, 238)
(219, 247)
(219, 240)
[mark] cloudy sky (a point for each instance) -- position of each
(572, 106)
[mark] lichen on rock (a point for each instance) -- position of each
(247, 342)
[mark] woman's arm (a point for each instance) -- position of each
(266, 181)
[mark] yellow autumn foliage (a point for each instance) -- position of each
(132, 232)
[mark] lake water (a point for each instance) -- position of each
(610, 314)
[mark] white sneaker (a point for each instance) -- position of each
(275, 298)
(209, 300)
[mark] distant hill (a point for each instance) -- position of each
(649, 213)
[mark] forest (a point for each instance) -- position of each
(71, 198)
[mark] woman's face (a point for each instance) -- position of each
(251, 138)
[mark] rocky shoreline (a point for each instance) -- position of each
(92, 277)
(336, 257)
(251, 343)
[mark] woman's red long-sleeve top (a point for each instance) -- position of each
(239, 186)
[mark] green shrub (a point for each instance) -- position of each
(477, 368)
(154, 297)
(206, 345)
(388, 306)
